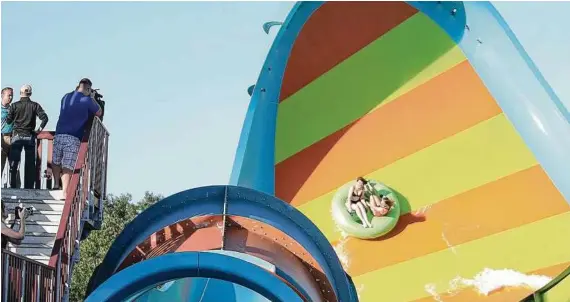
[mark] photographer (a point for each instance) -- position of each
(77, 108)
(8, 234)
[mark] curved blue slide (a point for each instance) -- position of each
(215, 272)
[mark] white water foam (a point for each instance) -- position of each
(490, 280)
(423, 210)
(341, 252)
(359, 291)
(339, 248)
(431, 289)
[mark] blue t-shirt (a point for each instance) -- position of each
(76, 108)
(6, 128)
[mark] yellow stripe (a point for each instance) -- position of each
(450, 59)
(533, 246)
(469, 159)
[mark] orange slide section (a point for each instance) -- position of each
(379, 90)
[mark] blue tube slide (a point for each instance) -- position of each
(212, 200)
(145, 275)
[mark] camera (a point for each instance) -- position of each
(98, 97)
(17, 210)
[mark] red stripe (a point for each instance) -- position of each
(333, 33)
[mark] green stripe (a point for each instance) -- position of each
(357, 85)
(558, 289)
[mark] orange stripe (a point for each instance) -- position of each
(507, 203)
(333, 33)
(513, 294)
(447, 104)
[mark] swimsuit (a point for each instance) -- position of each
(358, 196)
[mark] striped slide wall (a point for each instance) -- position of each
(380, 90)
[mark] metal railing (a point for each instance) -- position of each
(24, 279)
(98, 159)
(84, 204)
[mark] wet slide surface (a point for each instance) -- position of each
(381, 91)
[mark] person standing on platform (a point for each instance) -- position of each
(77, 107)
(7, 95)
(23, 115)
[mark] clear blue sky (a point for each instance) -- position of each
(175, 75)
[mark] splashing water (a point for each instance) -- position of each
(339, 248)
(359, 290)
(490, 280)
(342, 254)
(431, 289)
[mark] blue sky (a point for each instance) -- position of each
(174, 75)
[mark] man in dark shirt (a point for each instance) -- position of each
(23, 115)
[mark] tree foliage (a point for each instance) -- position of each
(118, 211)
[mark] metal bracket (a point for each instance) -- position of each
(224, 217)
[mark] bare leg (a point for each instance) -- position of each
(65, 178)
(56, 171)
(363, 210)
(375, 200)
(364, 203)
(364, 216)
(374, 204)
(356, 208)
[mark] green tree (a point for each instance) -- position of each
(118, 211)
(148, 200)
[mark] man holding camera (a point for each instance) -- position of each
(8, 234)
(76, 109)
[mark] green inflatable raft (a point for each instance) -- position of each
(351, 224)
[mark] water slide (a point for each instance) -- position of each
(437, 101)
(440, 102)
